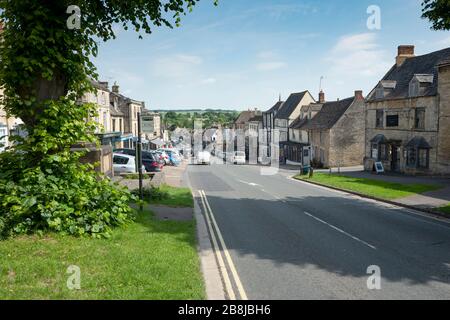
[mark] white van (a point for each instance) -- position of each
(239, 157)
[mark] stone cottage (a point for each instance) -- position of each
(336, 133)
(408, 115)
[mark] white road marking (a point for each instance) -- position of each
(237, 280)
(216, 249)
(249, 183)
(340, 230)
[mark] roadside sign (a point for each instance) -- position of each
(148, 124)
(379, 167)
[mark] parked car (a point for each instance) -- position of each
(239, 157)
(203, 157)
(149, 161)
(123, 163)
(174, 156)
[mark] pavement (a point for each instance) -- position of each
(285, 239)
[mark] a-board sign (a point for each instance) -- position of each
(379, 167)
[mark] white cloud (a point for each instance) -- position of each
(209, 81)
(270, 65)
(359, 55)
(176, 66)
(267, 54)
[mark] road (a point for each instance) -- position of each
(290, 240)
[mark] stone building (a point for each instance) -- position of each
(8, 125)
(336, 133)
(408, 115)
(242, 119)
(129, 108)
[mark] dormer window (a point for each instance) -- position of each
(419, 84)
(384, 88)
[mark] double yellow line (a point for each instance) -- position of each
(221, 251)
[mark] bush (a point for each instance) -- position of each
(58, 195)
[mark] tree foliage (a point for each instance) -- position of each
(45, 69)
(438, 12)
(210, 118)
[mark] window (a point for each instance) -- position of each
(419, 119)
(114, 125)
(424, 158)
(383, 152)
(411, 160)
(379, 118)
(392, 121)
(120, 160)
(375, 151)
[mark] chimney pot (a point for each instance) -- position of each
(115, 88)
(321, 97)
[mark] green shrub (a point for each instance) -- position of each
(59, 195)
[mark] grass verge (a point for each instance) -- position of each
(374, 188)
(149, 259)
(445, 209)
(175, 197)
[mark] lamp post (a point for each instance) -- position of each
(139, 160)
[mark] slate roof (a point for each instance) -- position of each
(327, 117)
(420, 65)
(275, 108)
(245, 116)
(258, 118)
(289, 106)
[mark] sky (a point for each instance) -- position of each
(244, 53)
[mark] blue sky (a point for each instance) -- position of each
(244, 53)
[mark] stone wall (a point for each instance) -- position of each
(101, 157)
(347, 137)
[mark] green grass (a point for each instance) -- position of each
(369, 187)
(149, 259)
(445, 209)
(177, 197)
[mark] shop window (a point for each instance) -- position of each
(424, 158)
(412, 157)
(383, 152)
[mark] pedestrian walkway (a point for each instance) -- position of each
(175, 176)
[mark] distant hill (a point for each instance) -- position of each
(190, 111)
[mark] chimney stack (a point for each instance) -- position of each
(321, 96)
(359, 95)
(404, 52)
(115, 88)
